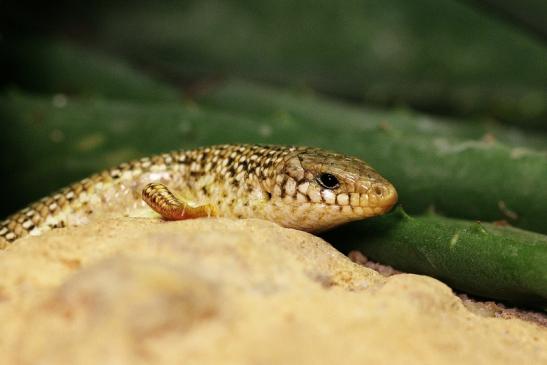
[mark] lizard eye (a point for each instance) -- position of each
(328, 181)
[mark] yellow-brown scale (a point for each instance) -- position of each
(279, 183)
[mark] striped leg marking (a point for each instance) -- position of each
(172, 208)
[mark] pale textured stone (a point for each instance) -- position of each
(217, 291)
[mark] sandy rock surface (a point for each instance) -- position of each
(216, 291)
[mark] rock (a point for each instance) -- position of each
(219, 291)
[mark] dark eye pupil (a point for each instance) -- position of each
(329, 181)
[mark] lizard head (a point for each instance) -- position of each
(324, 189)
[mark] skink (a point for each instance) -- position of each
(305, 188)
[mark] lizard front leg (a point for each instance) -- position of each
(171, 207)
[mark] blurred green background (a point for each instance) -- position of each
(446, 98)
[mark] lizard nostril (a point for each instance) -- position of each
(387, 195)
(378, 190)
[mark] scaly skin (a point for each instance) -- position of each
(278, 183)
